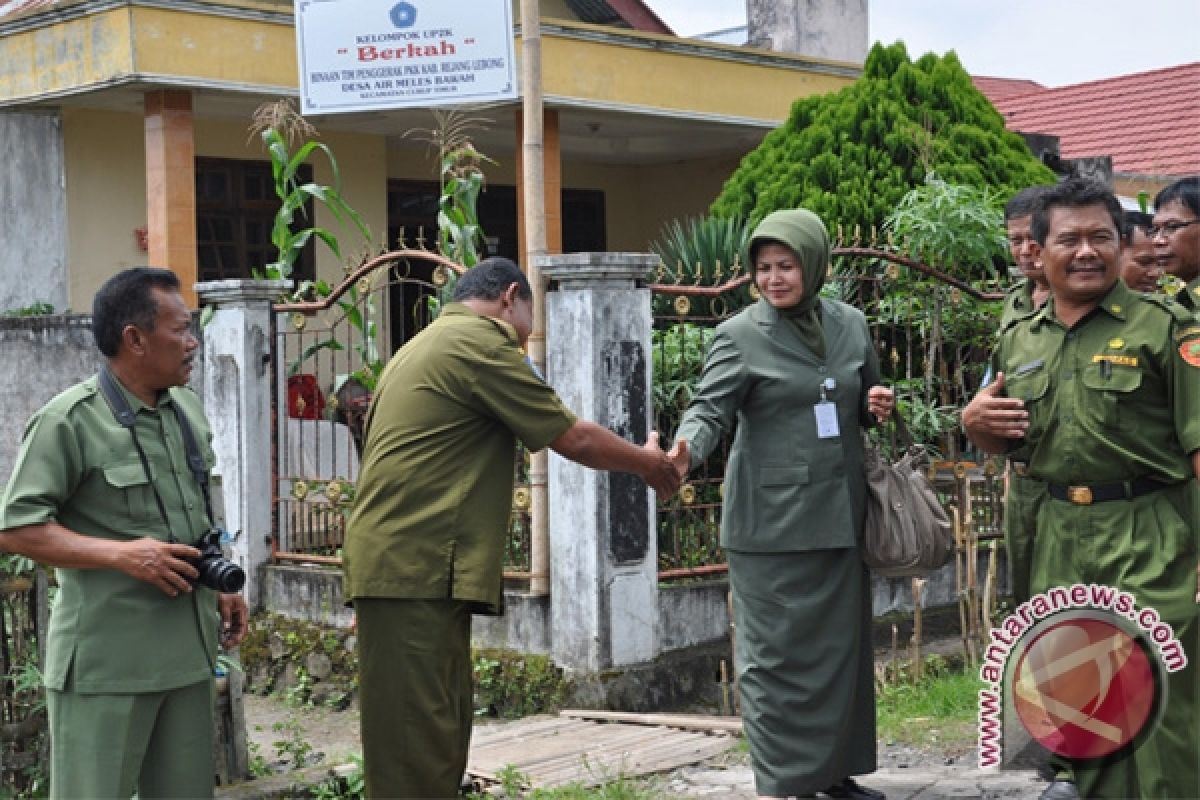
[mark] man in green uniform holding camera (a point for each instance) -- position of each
(133, 638)
(425, 540)
(1103, 387)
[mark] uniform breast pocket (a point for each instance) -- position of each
(1110, 391)
(1029, 384)
(129, 480)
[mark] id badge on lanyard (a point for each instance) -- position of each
(826, 412)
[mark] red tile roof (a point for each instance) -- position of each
(1149, 122)
(1000, 88)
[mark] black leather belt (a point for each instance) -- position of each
(1102, 493)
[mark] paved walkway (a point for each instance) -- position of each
(737, 783)
(914, 783)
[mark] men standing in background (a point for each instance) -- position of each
(1140, 267)
(1176, 236)
(1022, 301)
(1106, 384)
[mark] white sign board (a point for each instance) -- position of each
(365, 55)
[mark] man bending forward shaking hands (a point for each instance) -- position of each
(425, 540)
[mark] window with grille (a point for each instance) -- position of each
(235, 210)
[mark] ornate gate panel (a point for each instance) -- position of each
(328, 354)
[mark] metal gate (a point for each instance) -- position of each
(328, 352)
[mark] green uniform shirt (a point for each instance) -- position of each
(1189, 296)
(1113, 399)
(109, 632)
(1116, 398)
(435, 489)
(1018, 303)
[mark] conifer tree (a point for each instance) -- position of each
(851, 155)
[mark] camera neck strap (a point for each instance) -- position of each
(126, 417)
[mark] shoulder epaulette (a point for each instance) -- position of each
(1181, 314)
(1014, 320)
(72, 396)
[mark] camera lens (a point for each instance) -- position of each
(222, 575)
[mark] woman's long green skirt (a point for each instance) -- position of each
(805, 667)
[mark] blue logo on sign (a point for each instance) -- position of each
(404, 15)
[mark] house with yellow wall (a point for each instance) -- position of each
(124, 127)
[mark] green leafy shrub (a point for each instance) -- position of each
(702, 251)
(851, 155)
(511, 684)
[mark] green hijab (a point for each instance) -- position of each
(802, 231)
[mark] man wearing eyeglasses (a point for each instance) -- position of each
(1176, 236)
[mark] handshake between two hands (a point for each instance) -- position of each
(667, 468)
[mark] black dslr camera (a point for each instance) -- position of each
(216, 571)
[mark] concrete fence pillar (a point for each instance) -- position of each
(603, 548)
(237, 400)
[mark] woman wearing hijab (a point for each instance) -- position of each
(799, 376)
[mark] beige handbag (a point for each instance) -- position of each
(907, 532)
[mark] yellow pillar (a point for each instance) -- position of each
(171, 185)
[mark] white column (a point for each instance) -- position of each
(237, 402)
(603, 549)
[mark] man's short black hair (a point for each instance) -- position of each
(126, 299)
(1185, 191)
(1134, 220)
(488, 279)
(1072, 193)
(1021, 204)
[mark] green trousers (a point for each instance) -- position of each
(1020, 524)
(1146, 546)
(159, 744)
(414, 673)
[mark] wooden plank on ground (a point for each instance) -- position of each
(565, 750)
(687, 722)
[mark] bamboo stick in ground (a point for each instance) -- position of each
(989, 589)
(918, 664)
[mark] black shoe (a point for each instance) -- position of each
(1060, 790)
(848, 788)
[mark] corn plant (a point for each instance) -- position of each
(278, 124)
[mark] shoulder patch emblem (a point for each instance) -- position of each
(1189, 331)
(1191, 352)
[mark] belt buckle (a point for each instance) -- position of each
(1079, 495)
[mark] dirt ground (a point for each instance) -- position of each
(272, 727)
